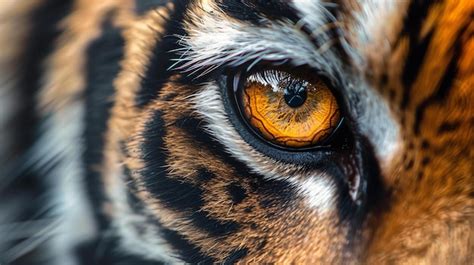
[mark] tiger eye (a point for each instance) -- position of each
(288, 111)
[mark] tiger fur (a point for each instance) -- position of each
(116, 134)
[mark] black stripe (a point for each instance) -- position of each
(107, 251)
(254, 11)
(215, 228)
(195, 128)
(275, 191)
(188, 252)
(237, 193)
(178, 195)
(158, 73)
(236, 256)
(447, 80)
(40, 43)
(412, 25)
(181, 246)
(204, 175)
(374, 196)
(102, 67)
(449, 126)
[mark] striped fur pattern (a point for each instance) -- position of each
(119, 144)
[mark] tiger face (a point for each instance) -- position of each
(226, 131)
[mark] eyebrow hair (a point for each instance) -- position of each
(259, 11)
(216, 39)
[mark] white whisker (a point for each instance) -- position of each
(32, 243)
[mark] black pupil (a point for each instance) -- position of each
(295, 93)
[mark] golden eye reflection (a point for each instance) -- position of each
(289, 111)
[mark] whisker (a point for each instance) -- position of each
(325, 28)
(22, 230)
(27, 246)
(326, 46)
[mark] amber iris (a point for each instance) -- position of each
(288, 111)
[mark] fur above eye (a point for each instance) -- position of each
(287, 110)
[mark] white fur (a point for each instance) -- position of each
(214, 40)
(61, 142)
(319, 191)
(374, 120)
(368, 22)
(313, 13)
